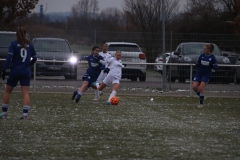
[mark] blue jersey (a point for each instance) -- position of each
(94, 66)
(206, 63)
(20, 58)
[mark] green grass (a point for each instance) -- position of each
(165, 128)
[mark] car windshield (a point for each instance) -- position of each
(51, 46)
(124, 47)
(197, 49)
(6, 39)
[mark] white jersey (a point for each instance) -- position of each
(106, 56)
(102, 75)
(115, 67)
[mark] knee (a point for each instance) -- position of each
(195, 88)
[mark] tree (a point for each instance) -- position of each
(12, 10)
(236, 20)
(145, 16)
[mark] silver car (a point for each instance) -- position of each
(159, 59)
(131, 53)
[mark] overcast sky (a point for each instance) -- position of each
(66, 5)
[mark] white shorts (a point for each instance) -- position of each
(109, 80)
(101, 77)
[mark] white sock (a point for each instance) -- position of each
(97, 94)
(112, 94)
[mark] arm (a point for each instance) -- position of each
(198, 63)
(214, 64)
(101, 60)
(7, 62)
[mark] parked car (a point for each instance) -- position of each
(58, 58)
(238, 70)
(189, 52)
(159, 59)
(6, 37)
(132, 53)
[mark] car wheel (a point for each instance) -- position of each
(181, 79)
(173, 79)
(71, 77)
(142, 77)
(237, 80)
(133, 78)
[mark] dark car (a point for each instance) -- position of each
(6, 37)
(189, 52)
(238, 70)
(55, 58)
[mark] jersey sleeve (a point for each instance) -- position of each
(9, 57)
(33, 51)
(215, 64)
(198, 62)
(109, 60)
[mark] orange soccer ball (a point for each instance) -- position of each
(114, 100)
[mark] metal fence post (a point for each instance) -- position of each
(34, 77)
(170, 67)
(190, 85)
(163, 41)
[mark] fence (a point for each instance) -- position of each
(154, 81)
(151, 44)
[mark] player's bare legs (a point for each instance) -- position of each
(6, 101)
(199, 89)
(25, 95)
(102, 86)
(84, 87)
(26, 101)
(115, 87)
(7, 94)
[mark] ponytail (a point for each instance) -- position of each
(21, 37)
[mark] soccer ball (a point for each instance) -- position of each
(114, 100)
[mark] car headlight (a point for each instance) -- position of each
(187, 59)
(238, 62)
(226, 60)
(73, 60)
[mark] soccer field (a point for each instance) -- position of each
(138, 128)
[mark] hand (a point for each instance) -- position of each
(3, 74)
(106, 70)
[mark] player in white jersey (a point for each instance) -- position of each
(114, 75)
(106, 55)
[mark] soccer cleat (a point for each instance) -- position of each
(108, 103)
(74, 95)
(24, 117)
(200, 106)
(77, 99)
(96, 99)
(3, 115)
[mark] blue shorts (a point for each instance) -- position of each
(24, 79)
(89, 79)
(201, 78)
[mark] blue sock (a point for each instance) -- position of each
(201, 98)
(5, 108)
(198, 93)
(25, 110)
(79, 95)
